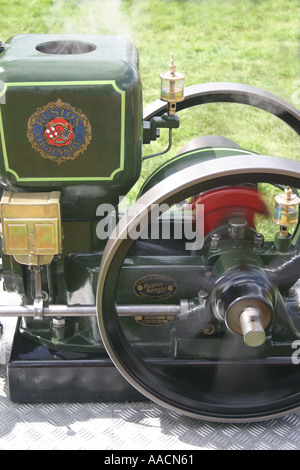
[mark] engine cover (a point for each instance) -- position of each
(71, 118)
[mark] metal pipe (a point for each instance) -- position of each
(164, 151)
(79, 310)
(128, 310)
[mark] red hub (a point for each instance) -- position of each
(223, 203)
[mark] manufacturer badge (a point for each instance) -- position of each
(155, 287)
(157, 320)
(59, 132)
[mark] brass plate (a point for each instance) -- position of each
(31, 226)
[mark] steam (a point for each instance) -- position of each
(89, 17)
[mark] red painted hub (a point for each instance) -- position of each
(234, 201)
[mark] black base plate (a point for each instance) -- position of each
(37, 374)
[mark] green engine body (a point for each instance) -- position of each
(90, 85)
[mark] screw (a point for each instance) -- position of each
(208, 329)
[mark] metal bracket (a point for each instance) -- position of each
(151, 129)
(38, 304)
(165, 121)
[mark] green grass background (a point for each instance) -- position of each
(255, 42)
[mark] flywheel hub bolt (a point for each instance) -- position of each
(259, 240)
(215, 241)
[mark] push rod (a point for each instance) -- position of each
(79, 310)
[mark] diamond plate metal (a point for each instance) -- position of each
(127, 426)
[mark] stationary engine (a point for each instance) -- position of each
(181, 297)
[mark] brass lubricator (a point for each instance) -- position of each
(285, 215)
(31, 226)
(172, 91)
(31, 233)
(172, 87)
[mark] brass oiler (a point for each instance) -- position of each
(172, 87)
(286, 210)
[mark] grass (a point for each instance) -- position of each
(250, 41)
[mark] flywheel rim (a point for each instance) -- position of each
(134, 369)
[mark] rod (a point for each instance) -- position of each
(76, 310)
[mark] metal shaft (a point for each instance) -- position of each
(252, 329)
(77, 310)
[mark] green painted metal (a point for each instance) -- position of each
(187, 159)
(282, 244)
(94, 86)
(10, 86)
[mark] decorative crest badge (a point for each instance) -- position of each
(59, 132)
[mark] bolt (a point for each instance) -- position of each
(208, 329)
(259, 240)
(208, 274)
(59, 322)
(202, 296)
(291, 292)
(215, 241)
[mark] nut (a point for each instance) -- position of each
(58, 322)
